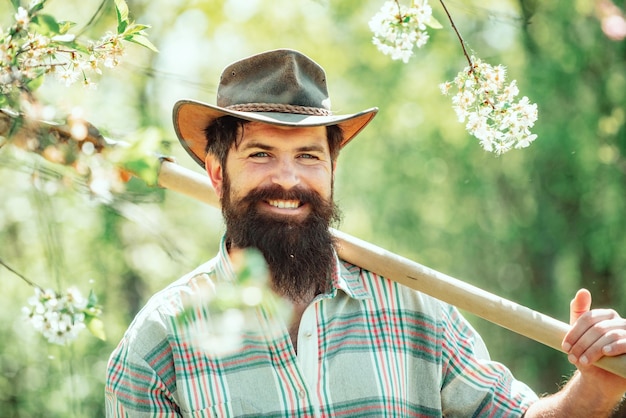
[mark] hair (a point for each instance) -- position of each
(226, 131)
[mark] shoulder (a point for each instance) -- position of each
(383, 290)
(154, 322)
(168, 299)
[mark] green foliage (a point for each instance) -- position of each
(139, 156)
(121, 9)
(131, 31)
(249, 291)
(46, 25)
(92, 320)
(434, 23)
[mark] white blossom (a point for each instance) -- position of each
(398, 29)
(59, 317)
(489, 105)
(68, 74)
(21, 17)
(109, 50)
(39, 55)
(218, 316)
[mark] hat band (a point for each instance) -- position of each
(280, 108)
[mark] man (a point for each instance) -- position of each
(356, 343)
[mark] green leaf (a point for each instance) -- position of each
(145, 168)
(64, 26)
(254, 268)
(92, 300)
(35, 83)
(47, 24)
(434, 23)
(121, 26)
(138, 157)
(139, 190)
(96, 327)
(77, 46)
(37, 7)
(143, 41)
(121, 8)
(136, 28)
(16, 4)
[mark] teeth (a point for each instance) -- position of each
(285, 204)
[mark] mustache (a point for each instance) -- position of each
(276, 192)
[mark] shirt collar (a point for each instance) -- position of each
(224, 266)
(347, 277)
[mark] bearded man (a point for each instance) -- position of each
(356, 344)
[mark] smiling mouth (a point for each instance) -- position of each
(284, 204)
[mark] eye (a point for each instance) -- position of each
(260, 154)
(308, 157)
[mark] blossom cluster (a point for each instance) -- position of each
(27, 52)
(398, 28)
(213, 327)
(35, 46)
(218, 316)
(490, 107)
(59, 317)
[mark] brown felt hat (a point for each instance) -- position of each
(281, 87)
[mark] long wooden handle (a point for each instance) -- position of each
(500, 311)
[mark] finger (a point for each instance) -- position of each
(579, 305)
(596, 333)
(592, 346)
(588, 348)
(618, 345)
(610, 344)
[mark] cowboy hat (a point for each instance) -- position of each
(280, 87)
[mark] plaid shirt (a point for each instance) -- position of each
(370, 347)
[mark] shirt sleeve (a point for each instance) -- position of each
(473, 384)
(138, 382)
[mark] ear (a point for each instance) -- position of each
(214, 170)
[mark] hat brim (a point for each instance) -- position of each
(191, 118)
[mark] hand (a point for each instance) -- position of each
(594, 334)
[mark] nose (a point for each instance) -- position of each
(286, 174)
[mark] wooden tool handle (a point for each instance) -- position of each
(500, 311)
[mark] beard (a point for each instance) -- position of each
(299, 252)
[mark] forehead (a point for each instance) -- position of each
(282, 136)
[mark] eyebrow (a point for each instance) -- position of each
(260, 145)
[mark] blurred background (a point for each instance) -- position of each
(532, 225)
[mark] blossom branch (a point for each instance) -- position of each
(61, 316)
(493, 114)
(458, 34)
(18, 274)
(36, 46)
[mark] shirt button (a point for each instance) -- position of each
(308, 334)
(302, 394)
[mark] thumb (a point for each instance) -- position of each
(579, 305)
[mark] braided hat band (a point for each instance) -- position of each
(280, 108)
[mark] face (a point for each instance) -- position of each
(276, 193)
(269, 155)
